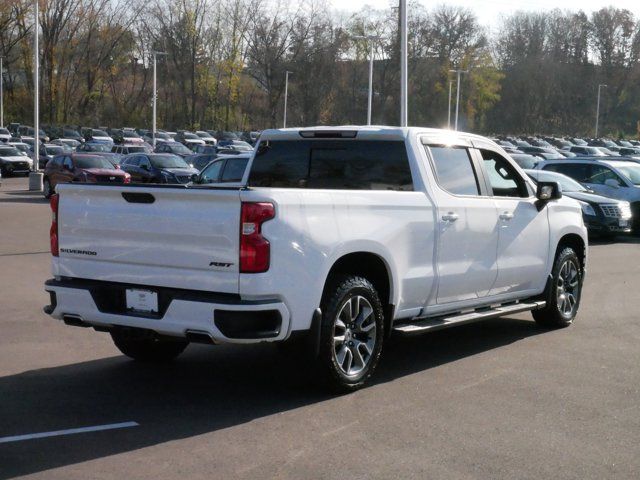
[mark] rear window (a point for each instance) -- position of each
(334, 165)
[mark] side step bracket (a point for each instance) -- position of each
(431, 324)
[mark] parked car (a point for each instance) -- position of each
(633, 152)
(207, 137)
(524, 160)
(101, 149)
(189, 139)
(126, 135)
(46, 152)
(603, 216)
(582, 151)
(5, 135)
(200, 160)
(608, 144)
(128, 149)
(71, 134)
(236, 145)
(13, 161)
(80, 167)
(250, 137)
(160, 137)
(339, 238)
(68, 143)
(205, 149)
(157, 168)
(224, 135)
(174, 148)
(24, 148)
(29, 132)
(543, 152)
(617, 179)
(97, 136)
(223, 170)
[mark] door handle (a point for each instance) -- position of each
(506, 216)
(450, 217)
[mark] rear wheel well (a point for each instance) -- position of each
(576, 243)
(371, 267)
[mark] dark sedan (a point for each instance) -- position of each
(174, 148)
(157, 168)
(603, 216)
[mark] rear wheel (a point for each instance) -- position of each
(147, 347)
(351, 333)
(46, 188)
(563, 296)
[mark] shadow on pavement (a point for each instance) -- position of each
(22, 196)
(207, 389)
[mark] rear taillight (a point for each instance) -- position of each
(53, 232)
(127, 178)
(255, 250)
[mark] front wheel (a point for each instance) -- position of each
(146, 347)
(563, 296)
(351, 334)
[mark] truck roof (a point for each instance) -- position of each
(372, 132)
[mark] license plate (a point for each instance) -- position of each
(142, 300)
(623, 223)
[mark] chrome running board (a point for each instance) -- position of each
(431, 324)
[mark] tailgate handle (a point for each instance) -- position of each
(135, 197)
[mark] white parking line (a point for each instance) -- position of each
(71, 431)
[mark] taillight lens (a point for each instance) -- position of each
(53, 232)
(127, 178)
(255, 250)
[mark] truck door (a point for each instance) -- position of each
(467, 226)
(523, 240)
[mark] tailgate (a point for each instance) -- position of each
(185, 238)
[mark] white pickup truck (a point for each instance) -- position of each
(336, 237)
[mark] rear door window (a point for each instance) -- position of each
(454, 170)
(234, 169)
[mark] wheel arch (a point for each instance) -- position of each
(577, 243)
(374, 268)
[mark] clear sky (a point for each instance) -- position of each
(489, 11)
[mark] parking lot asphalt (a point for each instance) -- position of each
(502, 399)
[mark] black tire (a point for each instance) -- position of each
(46, 188)
(146, 347)
(564, 292)
(359, 343)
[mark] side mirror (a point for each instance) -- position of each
(612, 182)
(546, 192)
(195, 178)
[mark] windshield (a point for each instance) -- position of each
(93, 162)
(96, 147)
(164, 136)
(70, 133)
(168, 161)
(99, 133)
(567, 184)
(9, 152)
(53, 150)
(179, 148)
(23, 147)
(191, 135)
(204, 135)
(4, 131)
(130, 135)
(140, 149)
(632, 172)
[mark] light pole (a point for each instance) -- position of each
(370, 39)
(449, 109)
(155, 95)
(35, 178)
(458, 72)
(598, 107)
(1, 95)
(286, 94)
(403, 65)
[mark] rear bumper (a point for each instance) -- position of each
(223, 318)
